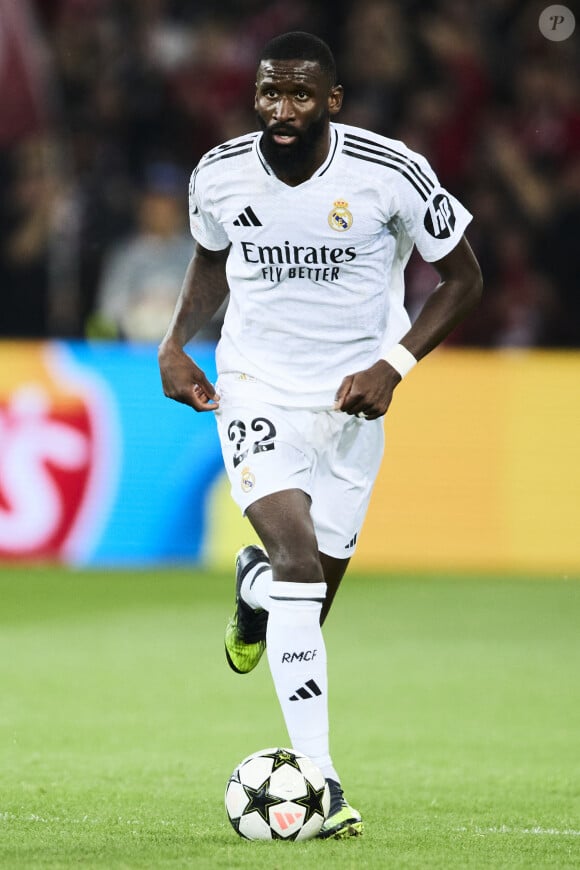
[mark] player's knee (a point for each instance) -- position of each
(296, 565)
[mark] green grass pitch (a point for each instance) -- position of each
(455, 710)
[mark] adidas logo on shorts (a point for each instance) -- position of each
(352, 542)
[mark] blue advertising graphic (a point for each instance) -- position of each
(98, 467)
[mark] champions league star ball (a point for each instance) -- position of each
(277, 794)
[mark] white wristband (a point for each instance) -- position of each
(401, 359)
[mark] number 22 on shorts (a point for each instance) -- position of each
(237, 434)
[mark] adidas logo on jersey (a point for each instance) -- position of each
(309, 690)
(248, 218)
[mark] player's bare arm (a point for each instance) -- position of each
(370, 392)
(458, 292)
(204, 289)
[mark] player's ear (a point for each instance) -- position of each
(335, 99)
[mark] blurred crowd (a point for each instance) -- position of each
(108, 105)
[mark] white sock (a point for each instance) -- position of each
(256, 586)
(297, 659)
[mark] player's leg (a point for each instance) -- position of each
(333, 570)
(345, 471)
(341, 489)
(256, 574)
(270, 482)
(282, 521)
(295, 645)
(265, 453)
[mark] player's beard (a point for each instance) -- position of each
(298, 155)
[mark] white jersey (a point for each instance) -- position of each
(316, 271)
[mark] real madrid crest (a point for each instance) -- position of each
(248, 479)
(340, 219)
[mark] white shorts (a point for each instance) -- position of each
(332, 456)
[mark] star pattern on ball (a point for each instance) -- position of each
(260, 801)
(282, 756)
(312, 801)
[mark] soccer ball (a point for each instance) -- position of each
(277, 794)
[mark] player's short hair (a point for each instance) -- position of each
(298, 45)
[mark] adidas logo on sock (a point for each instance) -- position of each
(248, 218)
(308, 690)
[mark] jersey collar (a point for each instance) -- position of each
(321, 169)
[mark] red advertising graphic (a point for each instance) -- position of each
(54, 441)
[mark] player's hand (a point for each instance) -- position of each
(368, 393)
(185, 382)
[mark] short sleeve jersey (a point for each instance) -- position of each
(316, 271)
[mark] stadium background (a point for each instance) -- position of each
(104, 100)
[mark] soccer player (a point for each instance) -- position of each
(309, 225)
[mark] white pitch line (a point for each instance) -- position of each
(84, 820)
(536, 831)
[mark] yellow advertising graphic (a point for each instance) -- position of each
(482, 465)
